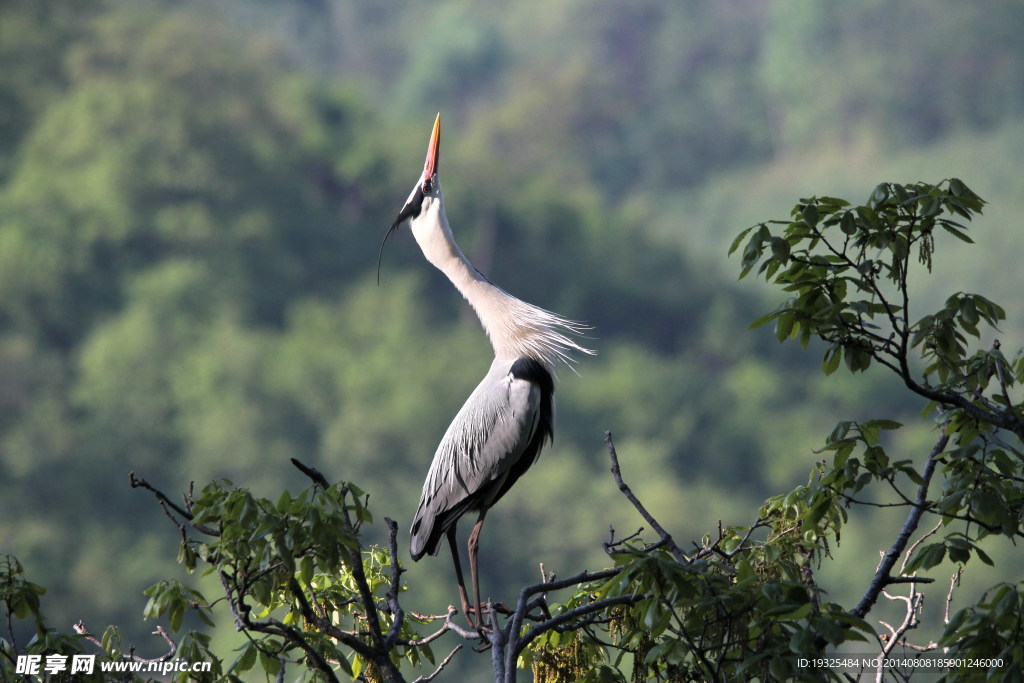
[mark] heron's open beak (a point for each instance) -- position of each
(433, 153)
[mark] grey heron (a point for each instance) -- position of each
(500, 431)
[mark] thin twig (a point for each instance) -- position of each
(440, 667)
(612, 543)
(416, 642)
(676, 551)
(81, 629)
(914, 602)
(953, 583)
(165, 501)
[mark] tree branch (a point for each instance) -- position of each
(313, 473)
(81, 629)
(398, 614)
(674, 549)
(440, 667)
(166, 502)
(567, 617)
(883, 576)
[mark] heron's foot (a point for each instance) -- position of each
(501, 608)
(477, 618)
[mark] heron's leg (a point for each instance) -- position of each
(463, 598)
(474, 542)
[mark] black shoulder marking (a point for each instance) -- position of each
(410, 210)
(533, 371)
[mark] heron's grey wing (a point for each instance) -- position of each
(490, 434)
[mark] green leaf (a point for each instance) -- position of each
(884, 424)
(306, 569)
(833, 356)
(815, 514)
(247, 659)
(763, 320)
(810, 215)
(960, 235)
(784, 326)
(739, 238)
(802, 640)
(958, 189)
(848, 224)
(176, 615)
(927, 557)
(879, 194)
(780, 249)
(270, 664)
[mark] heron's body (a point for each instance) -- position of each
(492, 441)
(500, 431)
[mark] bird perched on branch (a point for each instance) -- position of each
(500, 431)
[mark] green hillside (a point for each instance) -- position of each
(192, 197)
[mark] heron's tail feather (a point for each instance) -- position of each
(420, 534)
(429, 526)
(426, 535)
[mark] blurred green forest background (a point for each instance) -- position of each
(192, 195)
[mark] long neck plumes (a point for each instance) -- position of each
(515, 328)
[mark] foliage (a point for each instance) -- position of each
(296, 579)
(748, 604)
(20, 600)
(847, 269)
(837, 261)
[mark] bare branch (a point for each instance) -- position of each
(893, 580)
(465, 633)
(445, 627)
(582, 577)
(313, 473)
(676, 551)
(430, 617)
(166, 502)
(883, 575)
(953, 583)
(440, 667)
(160, 631)
(570, 616)
(914, 602)
(612, 543)
(81, 629)
(397, 612)
(910, 551)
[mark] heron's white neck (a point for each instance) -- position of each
(515, 328)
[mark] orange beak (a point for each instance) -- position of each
(433, 153)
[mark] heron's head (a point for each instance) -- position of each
(426, 196)
(424, 208)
